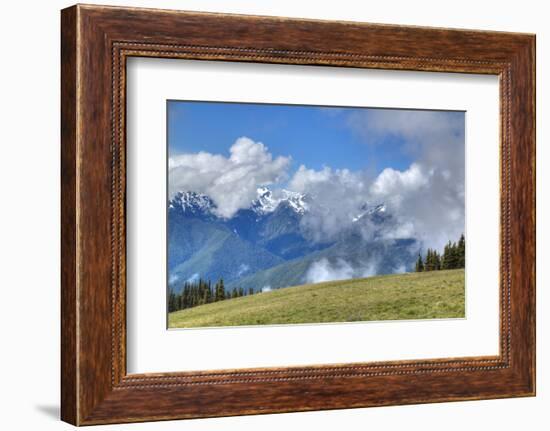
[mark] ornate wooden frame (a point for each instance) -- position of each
(95, 43)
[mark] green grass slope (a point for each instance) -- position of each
(429, 295)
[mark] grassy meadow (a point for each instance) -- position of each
(424, 295)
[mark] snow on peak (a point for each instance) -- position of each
(297, 201)
(267, 202)
(192, 202)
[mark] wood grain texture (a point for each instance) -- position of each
(96, 41)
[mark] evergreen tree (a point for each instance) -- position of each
(220, 290)
(207, 294)
(436, 260)
(429, 260)
(185, 296)
(419, 264)
(172, 301)
(446, 256)
(454, 256)
(461, 252)
(450, 256)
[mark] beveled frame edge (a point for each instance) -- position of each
(95, 43)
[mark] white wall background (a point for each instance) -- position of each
(29, 215)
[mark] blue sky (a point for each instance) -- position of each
(311, 135)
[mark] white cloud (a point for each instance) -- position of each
(425, 200)
(393, 182)
(434, 139)
(377, 123)
(323, 270)
(335, 196)
(304, 178)
(230, 182)
(425, 204)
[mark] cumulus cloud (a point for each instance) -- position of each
(230, 182)
(427, 203)
(425, 200)
(430, 195)
(421, 203)
(335, 198)
(394, 182)
(434, 139)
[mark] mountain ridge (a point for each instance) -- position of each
(265, 244)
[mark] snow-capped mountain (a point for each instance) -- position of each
(267, 201)
(266, 244)
(192, 203)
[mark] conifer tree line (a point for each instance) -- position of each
(453, 257)
(202, 292)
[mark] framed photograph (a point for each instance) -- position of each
(342, 195)
(267, 215)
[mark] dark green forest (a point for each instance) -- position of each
(453, 257)
(202, 292)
